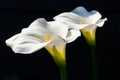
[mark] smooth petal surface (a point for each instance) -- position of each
(62, 30)
(72, 25)
(90, 28)
(26, 45)
(71, 20)
(89, 17)
(72, 35)
(101, 22)
(81, 11)
(39, 22)
(10, 41)
(30, 39)
(37, 28)
(58, 28)
(57, 48)
(68, 16)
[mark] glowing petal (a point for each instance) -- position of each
(58, 28)
(68, 16)
(72, 35)
(101, 22)
(30, 39)
(81, 11)
(71, 20)
(89, 17)
(57, 45)
(72, 25)
(27, 45)
(10, 41)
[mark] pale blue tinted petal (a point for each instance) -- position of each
(81, 11)
(90, 17)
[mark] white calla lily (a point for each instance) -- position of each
(71, 20)
(52, 35)
(30, 39)
(87, 22)
(93, 19)
(81, 19)
(35, 35)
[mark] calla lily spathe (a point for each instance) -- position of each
(80, 18)
(86, 22)
(52, 35)
(93, 18)
(34, 38)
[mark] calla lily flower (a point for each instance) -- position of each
(87, 22)
(81, 19)
(93, 18)
(52, 35)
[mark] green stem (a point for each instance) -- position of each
(63, 72)
(90, 38)
(94, 61)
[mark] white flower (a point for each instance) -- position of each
(51, 35)
(79, 18)
(41, 34)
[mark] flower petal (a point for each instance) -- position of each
(61, 30)
(57, 49)
(58, 28)
(72, 35)
(10, 41)
(101, 22)
(30, 39)
(26, 44)
(71, 20)
(72, 25)
(88, 17)
(57, 41)
(90, 28)
(94, 17)
(37, 28)
(81, 11)
(68, 16)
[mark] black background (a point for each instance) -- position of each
(17, 14)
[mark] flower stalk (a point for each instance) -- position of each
(60, 60)
(87, 22)
(90, 38)
(94, 62)
(63, 72)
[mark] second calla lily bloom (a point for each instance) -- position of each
(80, 18)
(86, 22)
